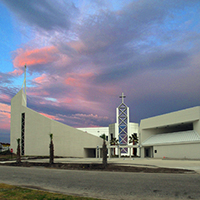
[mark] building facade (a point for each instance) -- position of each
(172, 135)
(33, 130)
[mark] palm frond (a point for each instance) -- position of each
(51, 136)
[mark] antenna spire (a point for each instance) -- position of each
(25, 79)
(24, 85)
(24, 82)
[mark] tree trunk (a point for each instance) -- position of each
(104, 154)
(51, 160)
(18, 153)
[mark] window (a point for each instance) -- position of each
(22, 132)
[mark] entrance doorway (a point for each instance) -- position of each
(90, 153)
(148, 152)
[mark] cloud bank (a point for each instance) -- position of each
(82, 56)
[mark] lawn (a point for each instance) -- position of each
(9, 192)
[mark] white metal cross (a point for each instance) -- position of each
(122, 97)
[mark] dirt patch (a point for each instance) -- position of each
(94, 166)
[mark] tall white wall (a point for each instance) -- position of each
(68, 141)
(97, 131)
(17, 103)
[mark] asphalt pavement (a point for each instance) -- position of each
(105, 185)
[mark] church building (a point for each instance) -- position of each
(172, 135)
(34, 129)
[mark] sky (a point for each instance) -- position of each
(82, 54)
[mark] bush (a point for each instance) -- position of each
(7, 152)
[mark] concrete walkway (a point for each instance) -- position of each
(139, 162)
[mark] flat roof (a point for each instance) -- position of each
(178, 117)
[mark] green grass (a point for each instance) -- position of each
(9, 192)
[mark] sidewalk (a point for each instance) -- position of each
(139, 162)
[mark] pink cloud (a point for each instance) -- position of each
(41, 79)
(5, 97)
(17, 72)
(71, 81)
(89, 116)
(82, 82)
(44, 81)
(39, 91)
(79, 46)
(4, 116)
(5, 107)
(78, 80)
(35, 56)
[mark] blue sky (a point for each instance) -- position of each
(81, 55)
(7, 42)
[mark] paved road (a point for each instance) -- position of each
(107, 185)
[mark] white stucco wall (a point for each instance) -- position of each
(164, 124)
(17, 103)
(184, 151)
(97, 131)
(182, 116)
(68, 141)
(154, 125)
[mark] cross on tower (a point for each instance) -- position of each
(122, 97)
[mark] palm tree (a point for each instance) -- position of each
(18, 151)
(51, 160)
(103, 136)
(114, 141)
(134, 139)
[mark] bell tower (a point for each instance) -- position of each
(122, 115)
